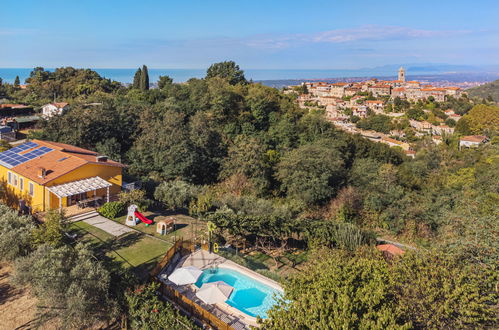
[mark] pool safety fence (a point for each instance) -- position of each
(179, 249)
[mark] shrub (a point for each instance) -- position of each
(112, 209)
(51, 232)
(147, 311)
(15, 234)
(175, 194)
(137, 197)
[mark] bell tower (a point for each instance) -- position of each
(402, 74)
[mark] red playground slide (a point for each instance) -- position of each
(142, 218)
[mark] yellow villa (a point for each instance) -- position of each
(40, 175)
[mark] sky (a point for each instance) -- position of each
(257, 34)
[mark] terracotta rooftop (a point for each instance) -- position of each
(388, 139)
(14, 106)
(60, 104)
(63, 159)
(391, 249)
(474, 138)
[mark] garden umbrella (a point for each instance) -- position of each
(185, 275)
(214, 292)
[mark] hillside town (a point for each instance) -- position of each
(405, 109)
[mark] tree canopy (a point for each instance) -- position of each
(227, 70)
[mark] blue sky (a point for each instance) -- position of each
(257, 34)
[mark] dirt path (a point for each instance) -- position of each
(17, 306)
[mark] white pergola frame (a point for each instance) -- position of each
(80, 187)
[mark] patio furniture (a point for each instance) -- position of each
(96, 201)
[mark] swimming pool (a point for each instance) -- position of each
(250, 296)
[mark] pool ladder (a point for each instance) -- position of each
(215, 267)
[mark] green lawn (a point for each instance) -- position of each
(144, 250)
(89, 233)
(185, 226)
(132, 250)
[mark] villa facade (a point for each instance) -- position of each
(42, 175)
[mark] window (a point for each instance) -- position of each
(12, 179)
(31, 189)
(21, 184)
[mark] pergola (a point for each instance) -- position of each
(80, 187)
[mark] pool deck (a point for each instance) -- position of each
(203, 259)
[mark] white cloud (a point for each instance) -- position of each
(362, 33)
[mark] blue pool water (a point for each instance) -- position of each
(250, 296)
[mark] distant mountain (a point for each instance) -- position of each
(486, 90)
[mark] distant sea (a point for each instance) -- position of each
(270, 77)
(181, 75)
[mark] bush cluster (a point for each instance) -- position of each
(112, 210)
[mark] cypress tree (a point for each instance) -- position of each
(144, 79)
(137, 79)
(17, 82)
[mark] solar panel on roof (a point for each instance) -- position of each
(31, 144)
(12, 157)
(38, 152)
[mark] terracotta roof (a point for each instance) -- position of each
(399, 89)
(391, 249)
(14, 106)
(474, 138)
(63, 159)
(453, 88)
(387, 139)
(60, 104)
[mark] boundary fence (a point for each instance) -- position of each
(178, 250)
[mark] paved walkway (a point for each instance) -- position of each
(108, 226)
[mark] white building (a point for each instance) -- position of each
(472, 141)
(53, 109)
